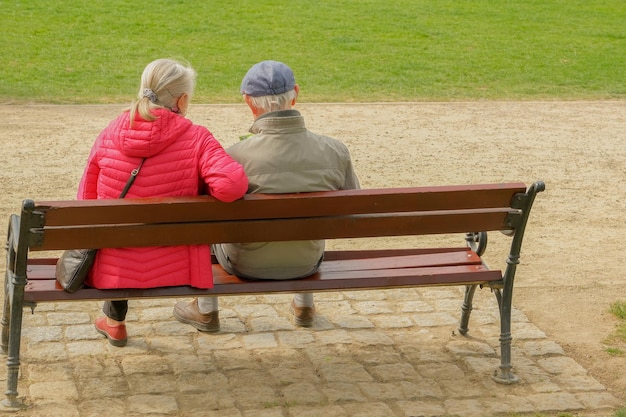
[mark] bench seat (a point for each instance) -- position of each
(341, 270)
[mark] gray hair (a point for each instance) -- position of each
(275, 102)
(162, 83)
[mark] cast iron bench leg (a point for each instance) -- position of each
(466, 309)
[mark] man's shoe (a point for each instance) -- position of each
(189, 313)
(116, 334)
(303, 316)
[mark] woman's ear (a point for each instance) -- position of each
(182, 104)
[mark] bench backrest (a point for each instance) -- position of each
(55, 225)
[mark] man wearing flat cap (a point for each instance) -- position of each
(282, 156)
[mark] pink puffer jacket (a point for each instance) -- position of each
(180, 158)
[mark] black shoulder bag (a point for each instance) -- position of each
(74, 264)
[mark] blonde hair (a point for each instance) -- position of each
(275, 102)
(162, 83)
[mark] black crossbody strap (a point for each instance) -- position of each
(130, 181)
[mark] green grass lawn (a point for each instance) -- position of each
(86, 51)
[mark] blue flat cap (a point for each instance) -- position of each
(268, 78)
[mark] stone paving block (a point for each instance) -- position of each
(573, 383)
(235, 359)
(368, 409)
(60, 391)
(544, 386)
(155, 314)
(85, 347)
(421, 408)
(395, 372)
(340, 372)
(48, 372)
(371, 337)
(81, 332)
(172, 327)
(99, 366)
(353, 322)
(255, 310)
(599, 401)
(434, 319)
(450, 305)
(509, 404)
(152, 404)
(414, 306)
(295, 339)
(441, 371)
(397, 294)
(293, 372)
(460, 388)
(365, 295)
(101, 387)
(481, 365)
(43, 334)
(44, 352)
(465, 407)
(334, 336)
(98, 407)
(339, 392)
(165, 344)
(204, 401)
(561, 365)
(211, 342)
(270, 324)
(392, 321)
(334, 309)
(541, 348)
(151, 383)
(527, 331)
(65, 318)
(182, 363)
(259, 341)
(302, 393)
(556, 401)
(326, 296)
(441, 293)
(379, 355)
(200, 382)
(231, 325)
(264, 412)
(55, 410)
(136, 346)
(137, 364)
(382, 391)
(421, 388)
(255, 396)
(373, 307)
(463, 346)
(325, 411)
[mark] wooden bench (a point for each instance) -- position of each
(469, 209)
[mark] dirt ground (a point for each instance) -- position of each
(572, 259)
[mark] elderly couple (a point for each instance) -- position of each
(179, 158)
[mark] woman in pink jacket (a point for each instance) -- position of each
(179, 159)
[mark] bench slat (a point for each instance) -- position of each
(377, 225)
(49, 290)
(328, 203)
(403, 261)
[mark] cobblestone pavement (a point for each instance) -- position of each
(370, 353)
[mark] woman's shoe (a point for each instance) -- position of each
(116, 334)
